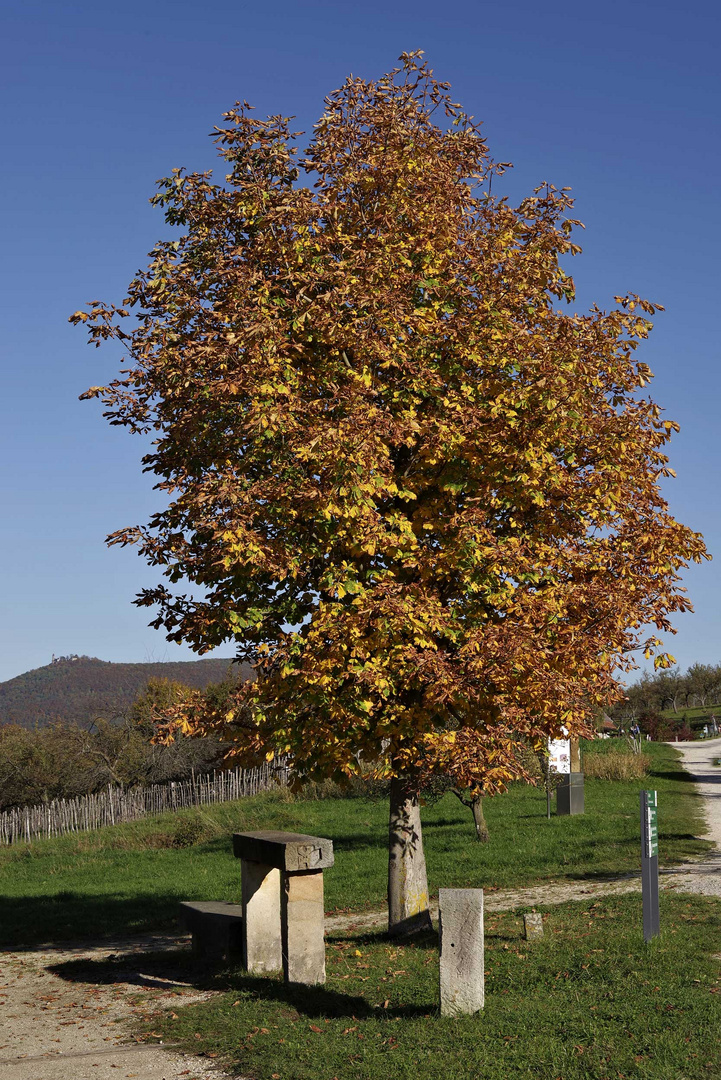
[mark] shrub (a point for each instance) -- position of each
(189, 829)
(665, 728)
(615, 765)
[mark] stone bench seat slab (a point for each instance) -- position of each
(217, 929)
(285, 851)
(193, 910)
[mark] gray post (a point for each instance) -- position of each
(649, 865)
(462, 949)
(569, 794)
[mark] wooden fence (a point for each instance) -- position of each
(117, 804)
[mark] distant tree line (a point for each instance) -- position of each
(672, 689)
(63, 759)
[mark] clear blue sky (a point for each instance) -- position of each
(620, 101)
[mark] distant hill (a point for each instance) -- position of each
(81, 688)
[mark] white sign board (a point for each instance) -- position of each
(559, 755)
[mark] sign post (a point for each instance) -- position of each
(649, 864)
(569, 792)
(558, 763)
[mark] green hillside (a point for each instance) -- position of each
(80, 689)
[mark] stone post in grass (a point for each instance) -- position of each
(462, 951)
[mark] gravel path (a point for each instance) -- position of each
(58, 1024)
(54, 1025)
(705, 875)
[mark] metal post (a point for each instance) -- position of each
(649, 864)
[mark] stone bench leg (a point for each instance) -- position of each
(303, 927)
(208, 946)
(214, 944)
(260, 892)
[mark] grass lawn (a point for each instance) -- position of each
(588, 1002)
(128, 879)
(695, 717)
(698, 712)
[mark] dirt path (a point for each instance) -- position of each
(54, 1025)
(697, 758)
(58, 1022)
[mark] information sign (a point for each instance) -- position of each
(559, 755)
(651, 824)
(649, 864)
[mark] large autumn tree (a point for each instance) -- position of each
(419, 493)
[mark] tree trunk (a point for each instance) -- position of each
(575, 755)
(479, 819)
(407, 882)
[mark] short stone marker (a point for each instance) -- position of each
(533, 925)
(282, 902)
(462, 951)
(216, 929)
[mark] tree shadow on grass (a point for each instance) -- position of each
(427, 939)
(28, 921)
(171, 968)
(672, 774)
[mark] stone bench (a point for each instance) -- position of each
(217, 929)
(282, 903)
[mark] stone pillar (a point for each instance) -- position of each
(283, 902)
(260, 890)
(302, 927)
(462, 950)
